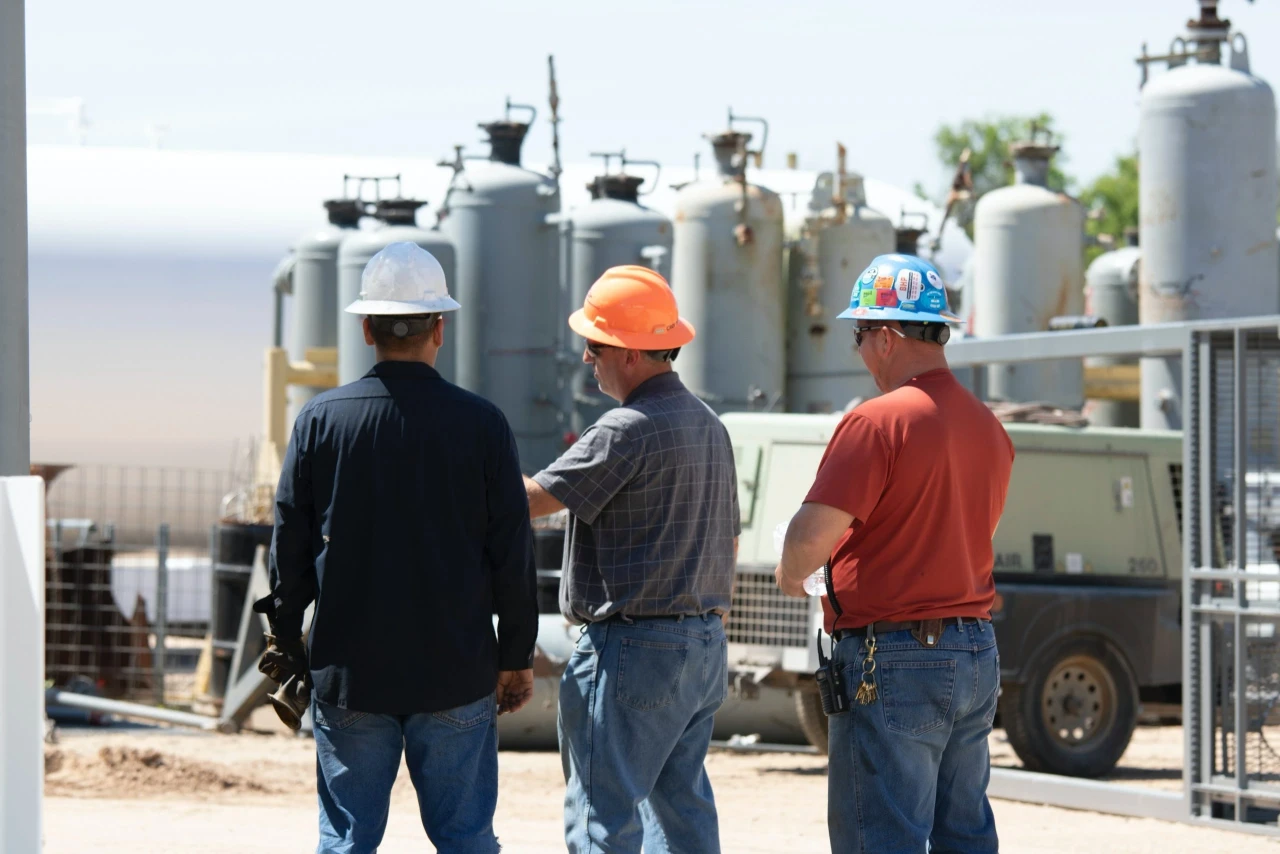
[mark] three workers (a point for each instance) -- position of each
(402, 513)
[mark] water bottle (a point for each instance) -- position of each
(816, 583)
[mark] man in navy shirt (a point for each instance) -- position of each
(401, 512)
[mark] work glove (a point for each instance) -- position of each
(284, 657)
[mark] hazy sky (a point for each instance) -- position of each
(385, 77)
(400, 78)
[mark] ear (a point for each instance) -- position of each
(633, 358)
(437, 334)
(368, 331)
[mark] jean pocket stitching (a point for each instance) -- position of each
(344, 718)
(482, 715)
(647, 703)
(886, 689)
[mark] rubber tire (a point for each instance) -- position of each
(1023, 724)
(813, 721)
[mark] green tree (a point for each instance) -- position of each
(1112, 202)
(990, 163)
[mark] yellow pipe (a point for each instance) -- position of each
(1113, 382)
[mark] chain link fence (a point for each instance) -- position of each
(129, 580)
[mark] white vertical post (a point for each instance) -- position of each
(15, 404)
(21, 663)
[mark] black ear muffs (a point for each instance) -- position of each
(935, 333)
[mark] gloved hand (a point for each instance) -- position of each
(284, 657)
(515, 688)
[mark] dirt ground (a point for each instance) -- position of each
(126, 790)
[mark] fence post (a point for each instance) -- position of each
(162, 610)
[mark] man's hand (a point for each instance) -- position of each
(812, 535)
(284, 658)
(788, 585)
(515, 688)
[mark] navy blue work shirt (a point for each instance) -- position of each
(401, 511)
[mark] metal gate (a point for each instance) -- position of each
(1231, 587)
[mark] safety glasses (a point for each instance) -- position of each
(860, 331)
(596, 349)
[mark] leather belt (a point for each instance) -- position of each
(922, 629)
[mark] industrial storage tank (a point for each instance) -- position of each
(1207, 199)
(502, 218)
(1111, 294)
(312, 320)
(728, 279)
(1028, 267)
(613, 229)
(837, 242)
(398, 216)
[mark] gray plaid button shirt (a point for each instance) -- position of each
(653, 498)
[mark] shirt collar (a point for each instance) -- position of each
(658, 384)
(387, 369)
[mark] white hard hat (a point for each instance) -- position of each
(403, 278)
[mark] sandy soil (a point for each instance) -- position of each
(152, 790)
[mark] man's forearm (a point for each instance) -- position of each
(811, 537)
(541, 502)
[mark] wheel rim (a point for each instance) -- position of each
(1078, 702)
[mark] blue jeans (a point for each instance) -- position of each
(453, 763)
(636, 708)
(912, 766)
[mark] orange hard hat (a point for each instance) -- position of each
(632, 307)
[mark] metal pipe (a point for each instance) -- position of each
(1204, 500)
(1154, 339)
(162, 610)
(15, 394)
(282, 286)
(1240, 417)
(55, 697)
(1191, 649)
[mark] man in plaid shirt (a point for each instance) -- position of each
(652, 496)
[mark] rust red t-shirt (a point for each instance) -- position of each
(924, 471)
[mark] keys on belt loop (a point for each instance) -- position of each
(867, 689)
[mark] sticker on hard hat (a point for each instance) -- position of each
(933, 301)
(884, 277)
(908, 285)
(860, 312)
(867, 296)
(933, 278)
(886, 299)
(868, 276)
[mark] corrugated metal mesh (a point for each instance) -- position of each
(1262, 449)
(1262, 703)
(762, 614)
(1233, 688)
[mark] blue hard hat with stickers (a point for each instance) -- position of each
(900, 287)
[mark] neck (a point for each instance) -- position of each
(426, 356)
(643, 375)
(914, 364)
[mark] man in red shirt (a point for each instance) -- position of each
(903, 508)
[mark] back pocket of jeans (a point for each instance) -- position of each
(468, 716)
(649, 673)
(332, 717)
(916, 694)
